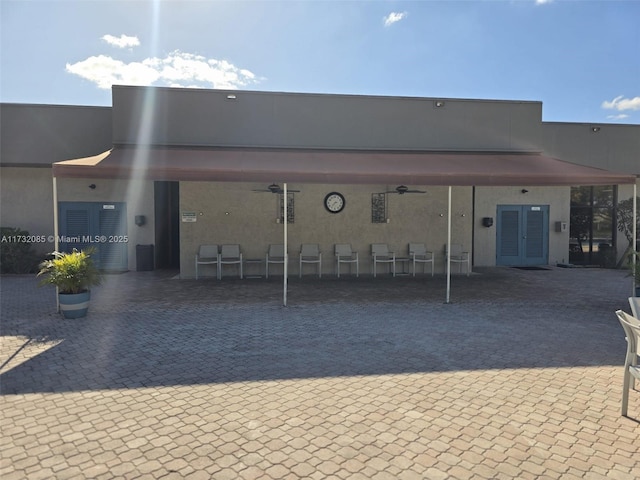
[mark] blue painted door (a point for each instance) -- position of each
(522, 235)
(101, 225)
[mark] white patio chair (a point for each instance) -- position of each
(634, 303)
(459, 256)
(274, 255)
(418, 254)
(380, 254)
(344, 254)
(310, 253)
(631, 326)
(208, 255)
(230, 255)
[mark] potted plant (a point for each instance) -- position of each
(73, 274)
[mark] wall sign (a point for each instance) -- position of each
(189, 217)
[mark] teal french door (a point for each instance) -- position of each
(102, 225)
(522, 235)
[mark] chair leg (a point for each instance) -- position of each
(625, 390)
(196, 270)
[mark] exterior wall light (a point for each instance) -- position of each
(595, 129)
(439, 103)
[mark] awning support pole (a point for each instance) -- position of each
(286, 248)
(55, 229)
(634, 236)
(448, 246)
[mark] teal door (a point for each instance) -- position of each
(522, 235)
(99, 225)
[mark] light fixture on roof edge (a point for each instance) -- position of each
(438, 103)
(595, 129)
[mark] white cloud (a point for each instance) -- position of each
(622, 116)
(123, 41)
(543, 2)
(177, 69)
(621, 104)
(105, 71)
(393, 17)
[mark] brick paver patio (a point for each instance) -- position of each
(519, 377)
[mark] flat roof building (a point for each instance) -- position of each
(177, 168)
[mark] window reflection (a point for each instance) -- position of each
(592, 227)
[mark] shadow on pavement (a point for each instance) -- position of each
(147, 329)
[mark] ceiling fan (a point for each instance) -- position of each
(275, 188)
(402, 189)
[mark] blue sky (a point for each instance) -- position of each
(580, 58)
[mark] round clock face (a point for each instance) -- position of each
(334, 202)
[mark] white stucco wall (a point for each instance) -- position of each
(26, 202)
(233, 213)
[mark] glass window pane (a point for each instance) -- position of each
(581, 196)
(603, 196)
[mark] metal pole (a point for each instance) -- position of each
(449, 246)
(55, 229)
(286, 248)
(634, 236)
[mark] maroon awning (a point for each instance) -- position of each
(336, 167)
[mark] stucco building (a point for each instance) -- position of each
(176, 168)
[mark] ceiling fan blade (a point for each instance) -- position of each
(274, 189)
(402, 189)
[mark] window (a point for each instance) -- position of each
(290, 207)
(592, 225)
(378, 208)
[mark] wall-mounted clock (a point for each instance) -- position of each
(334, 202)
